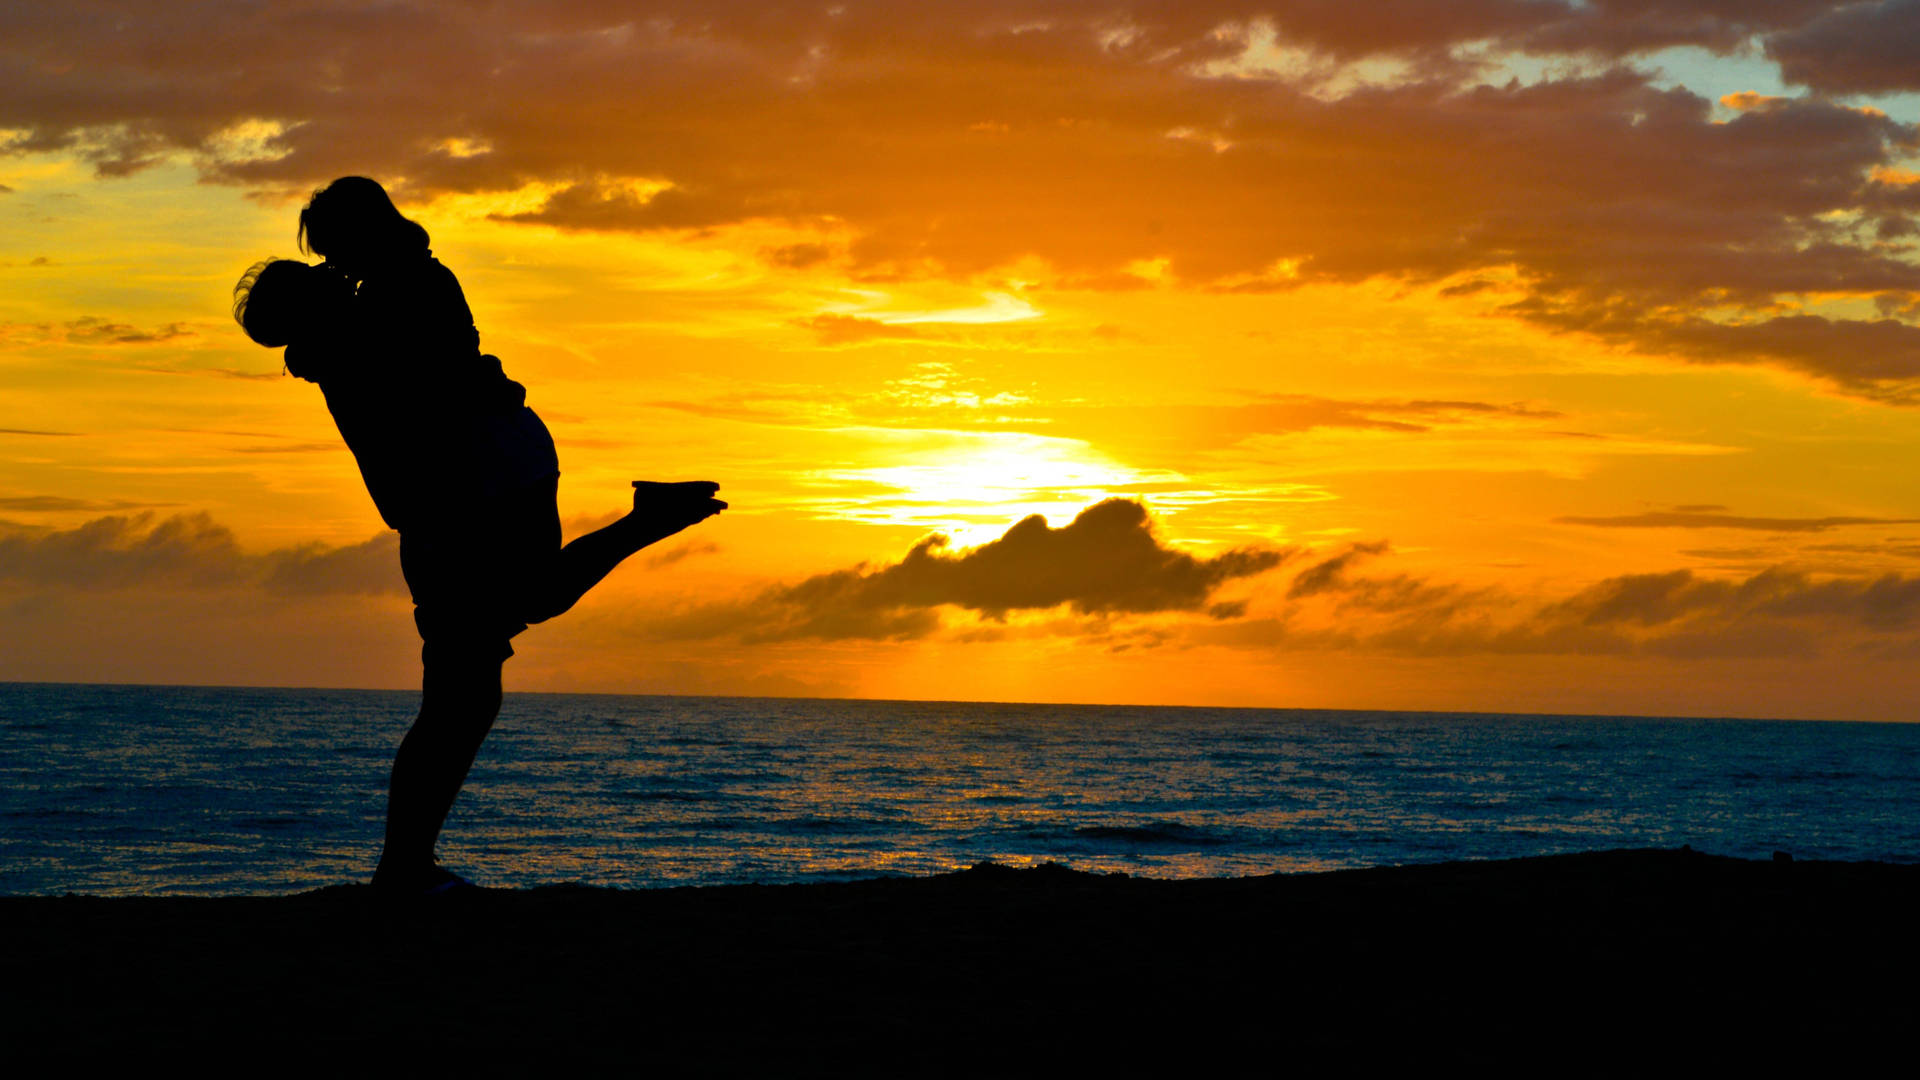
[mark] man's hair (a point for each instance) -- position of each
(267, 300)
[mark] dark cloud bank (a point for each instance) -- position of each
(956, 137)
(190, 551)
(1107, 561)
(1098, 578)
(1676, 614)
(1109, 565)
(1684, 518)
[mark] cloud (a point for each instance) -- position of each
(1106, 561)
(854, 329)
(97, 331)
(1777, 611)
(369, 568)
(1691, 518)
(606, 205)
(798, 256)
(57, 503)
(953, 138)
(1325, 575)
(1619, 28)
(1731, 553)
(94, 330)
(655, 560)
(1681, 598)
(1876, 358)
(1105, 580)
(1853, 48)
(216, 373)
(1159, 432)
(290, 448)
(1748, 100)
(833, 328)
(1892, 546)
(1301, 412)
(190, 551)
(46, 434)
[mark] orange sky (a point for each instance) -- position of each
(1489, 355)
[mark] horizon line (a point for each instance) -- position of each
(1495, 713)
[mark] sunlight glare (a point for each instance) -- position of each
(974, 485)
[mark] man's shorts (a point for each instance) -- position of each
(481, 553)
(478, 570)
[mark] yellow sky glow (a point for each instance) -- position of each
(1447, 378)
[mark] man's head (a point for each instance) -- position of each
(280, 301)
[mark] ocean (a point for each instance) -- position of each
(123, 790)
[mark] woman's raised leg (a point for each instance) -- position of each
(659, 511)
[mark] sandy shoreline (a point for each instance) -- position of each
(1614, 950)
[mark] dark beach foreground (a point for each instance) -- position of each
(1590, 959)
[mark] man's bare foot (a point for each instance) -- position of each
(419, 882)
(660, 489)
(655, 498)
(674, 506)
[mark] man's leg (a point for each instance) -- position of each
(459, 701)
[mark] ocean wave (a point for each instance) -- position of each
(830, 826)
(1154, 834)
(261, 822)
(701, 791)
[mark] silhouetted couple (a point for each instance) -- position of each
(457, 463)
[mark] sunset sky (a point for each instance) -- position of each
(1530, 355)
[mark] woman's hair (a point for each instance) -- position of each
(353, 218)
(267, 301)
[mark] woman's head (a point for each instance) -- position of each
(352, 223)
(279, 301)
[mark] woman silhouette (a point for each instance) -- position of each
(457, 463)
